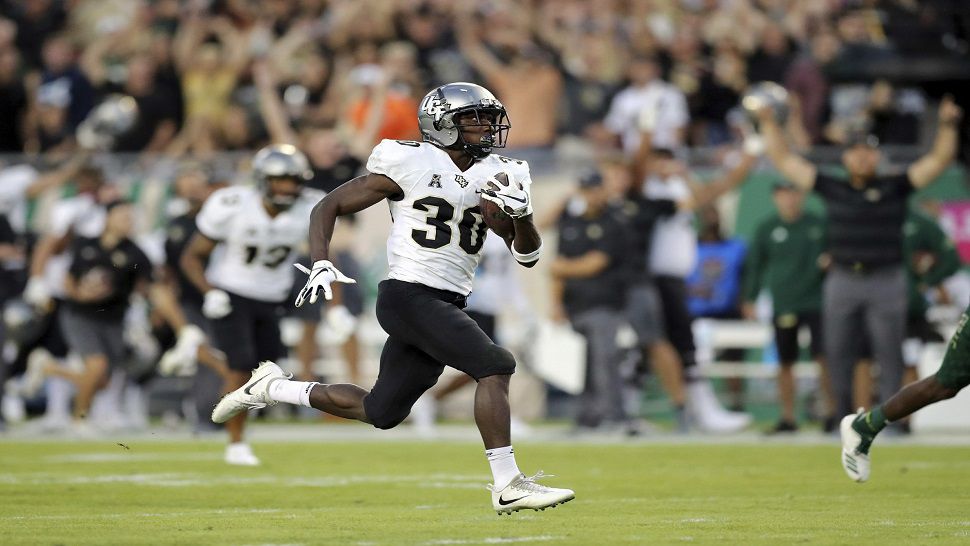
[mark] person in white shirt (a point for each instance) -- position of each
(258, 232)
(433, 190)
(648, 105)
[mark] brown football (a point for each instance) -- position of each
(495, 218)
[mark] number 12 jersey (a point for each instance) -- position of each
(256, 253)
(438, 230)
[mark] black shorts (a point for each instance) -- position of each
(676, 316)
(786, 334)
(427, 331)
(51, 338)
(484, 321)
(250, 333)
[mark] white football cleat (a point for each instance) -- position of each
(525, 493)
(253, 395)
(240, 454)
(181, 359)
(855, 455)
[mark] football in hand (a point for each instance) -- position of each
(495, 218)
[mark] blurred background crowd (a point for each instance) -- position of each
(584, 83)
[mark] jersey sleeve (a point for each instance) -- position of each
(216, 215)
(390, 158)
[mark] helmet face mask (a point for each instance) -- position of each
(277, 163)
(453, 110)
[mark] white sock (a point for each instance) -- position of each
(292, 392)
(504, 469)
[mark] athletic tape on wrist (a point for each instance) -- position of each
(526, 258)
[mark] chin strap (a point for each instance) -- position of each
(526, 258)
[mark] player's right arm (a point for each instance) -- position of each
(354, 196)
(792, 166)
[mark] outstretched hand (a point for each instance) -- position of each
(320, 278)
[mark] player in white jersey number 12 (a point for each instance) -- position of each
(245, 284)
(433, 189)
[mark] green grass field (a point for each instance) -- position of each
(433, 493)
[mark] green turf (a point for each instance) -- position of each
(433, 493)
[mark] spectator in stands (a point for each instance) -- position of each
(49, 129)
(35, 22)
(158, 110)
(427, 27)
(647, 105)
(771, 59)
(587, 288)
(719, 92)
(807, 80)
(13, 100)
(785, 258)
(865, 289)
(63, 78)
(522, 75)
(209, 70)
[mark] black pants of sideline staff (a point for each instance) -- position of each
(871, 304)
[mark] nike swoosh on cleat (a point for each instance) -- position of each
(503, 502)
(247, 391)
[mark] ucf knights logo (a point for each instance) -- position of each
(435, 181)
(435, 106)
(461, 180)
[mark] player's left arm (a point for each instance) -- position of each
(927, 168)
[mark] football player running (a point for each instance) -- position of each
(433, 189)
(245, 285)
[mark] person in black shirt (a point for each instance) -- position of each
(104, 273)
(588, 279)
(865, 289)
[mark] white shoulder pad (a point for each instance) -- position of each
(214, 219)
(396, 159)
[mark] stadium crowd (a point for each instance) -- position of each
(635, 86)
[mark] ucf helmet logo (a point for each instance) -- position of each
(435, 106)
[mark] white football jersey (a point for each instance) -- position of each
(438, 230)
(257, 254)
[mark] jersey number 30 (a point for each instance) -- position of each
(471, 227)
